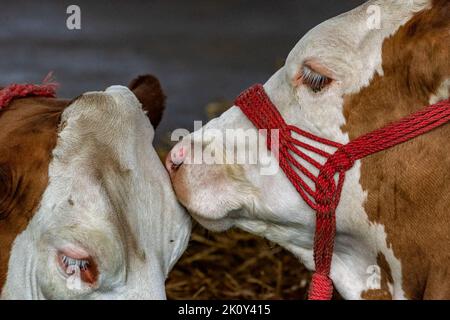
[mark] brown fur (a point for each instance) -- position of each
(386, 278)
(408, 186)
(27, 137)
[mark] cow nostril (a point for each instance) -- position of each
(175, 159)
(174, 167)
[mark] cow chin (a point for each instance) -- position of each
(220, 225)
(213, 194)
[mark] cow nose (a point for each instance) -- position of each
(175, 158)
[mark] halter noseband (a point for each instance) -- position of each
(324, 198)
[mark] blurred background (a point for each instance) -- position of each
(204, 52)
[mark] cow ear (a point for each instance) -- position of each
(149, 92)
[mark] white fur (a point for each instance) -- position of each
(442, 93)
(352, 52)
(124, 211)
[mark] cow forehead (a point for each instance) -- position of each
(104, 163)
(100, 138)
(104, 127)
(116, 103)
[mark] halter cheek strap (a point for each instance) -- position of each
(13, 91)
(325, 196)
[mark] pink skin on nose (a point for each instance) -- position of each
(175, 158)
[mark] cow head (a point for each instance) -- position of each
(348, 76)
(83, 182)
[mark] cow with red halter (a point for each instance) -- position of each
(86, 207)
(350, 102)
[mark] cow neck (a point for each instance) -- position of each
(325, 197)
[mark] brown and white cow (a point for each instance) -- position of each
(86, 207)
(344, 78)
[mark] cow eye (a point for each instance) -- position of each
(84, 268)
(82, 264)
(314, 80)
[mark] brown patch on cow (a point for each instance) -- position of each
(149, 92)
(408, 186)
(383, 293)
(28, 134)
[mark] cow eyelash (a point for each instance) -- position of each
(316, 81)
(81, 264)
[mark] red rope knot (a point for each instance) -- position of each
(343, 160)
(325, 186)
(340, 161)
(321, 287)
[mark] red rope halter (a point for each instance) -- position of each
(13, 91)
(324, 198)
